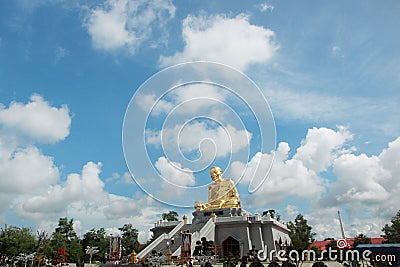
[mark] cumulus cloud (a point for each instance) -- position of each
(87, 187)
(321, 146)
(366, 188)
(367, 180)
(287, 177)
(233, 41)
(192, 136)
(84, 197)
(126, 24)
(174, 173)
(297, 176)
(325, 222)
(26, 170)
(390, 160)
(36, 120)
(32, 188)
(124, 207)
(359, 179)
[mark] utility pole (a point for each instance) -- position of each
(341, 226)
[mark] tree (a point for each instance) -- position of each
(301, 234)
(129, 239)
(361, 239)
(43, 247)
(170, 216)
(65, 238)
(392, 232)
(15, 240)
(75, 252)
(66, 228)
(96, 238)
(57, 241)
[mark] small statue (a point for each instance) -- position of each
(222, 193)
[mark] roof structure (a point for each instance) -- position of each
(322, 245)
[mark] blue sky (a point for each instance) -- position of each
(329, 71)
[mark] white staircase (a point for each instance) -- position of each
(158, 240)
(208, 231)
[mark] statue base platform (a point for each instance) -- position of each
(202, 216)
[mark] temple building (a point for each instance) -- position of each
(233, 230)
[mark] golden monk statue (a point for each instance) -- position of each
(222, 193)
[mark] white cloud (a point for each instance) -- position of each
(325, 222)
(321, 146)
(86, 187)
(193, 98)
(139, 210)
(366, 188)
(199, 97)
(265, 6)
(371, 229)
(36, 120)
(123, 207)
(174, 173)
(61, 53)
(146, 102)
(390, 159)
(192, 137)
(363, 185)
(291, 211)
(232, 41)
(288, 177)
(26, 170)
(107, 28)
(370, 181)
(337, 51)
(127, 24)
(32, 190)
(83, 197)
(359, 179)
(125, 178)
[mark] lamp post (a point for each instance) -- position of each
(91, 251)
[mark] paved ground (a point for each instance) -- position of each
(305, 264)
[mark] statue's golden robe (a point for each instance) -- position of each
(222, 193)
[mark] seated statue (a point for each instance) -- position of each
(222, 193)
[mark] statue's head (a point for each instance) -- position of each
(215, 173)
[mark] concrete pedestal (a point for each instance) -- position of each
(202, 216)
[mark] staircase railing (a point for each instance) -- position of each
(196, 236)
(158, 240)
